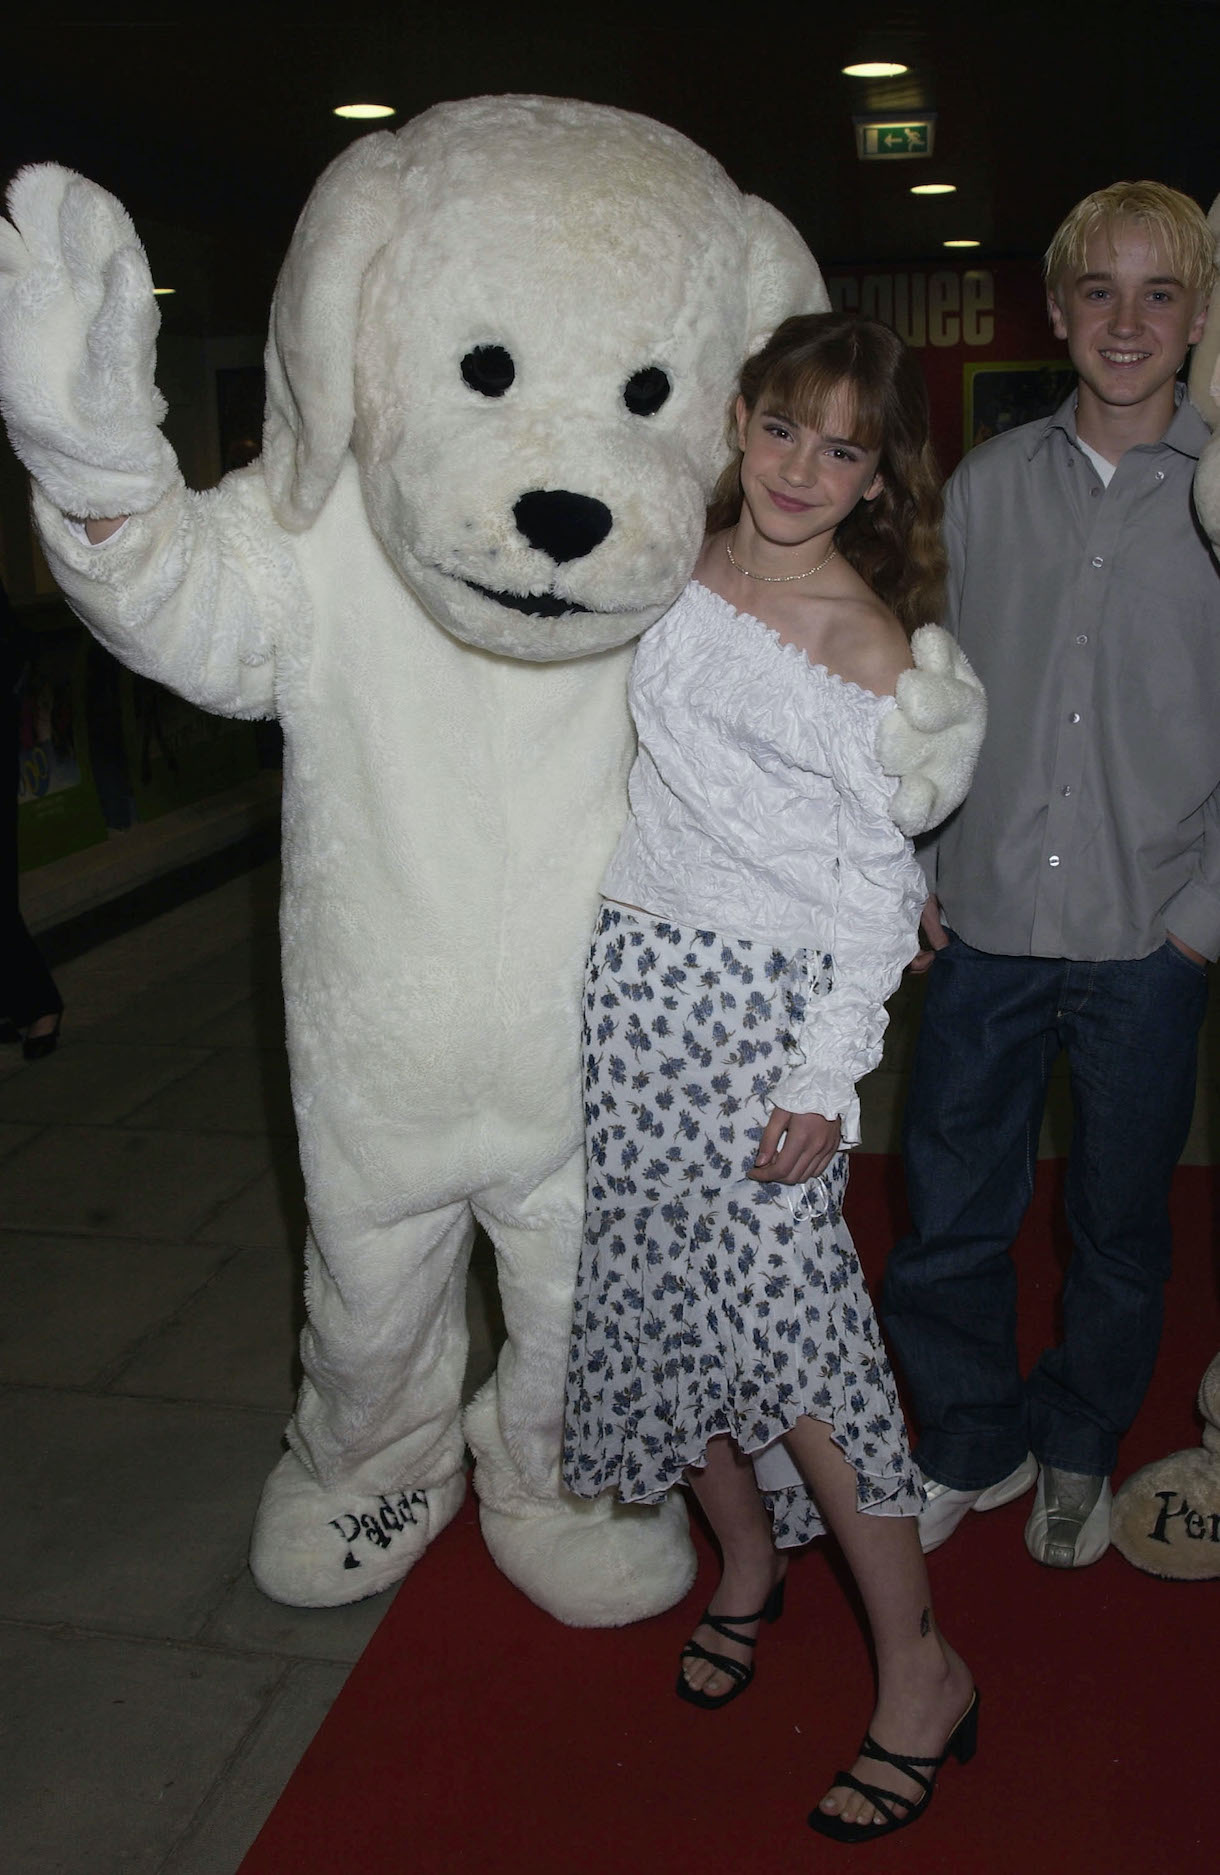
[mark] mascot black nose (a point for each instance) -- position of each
(563, 526)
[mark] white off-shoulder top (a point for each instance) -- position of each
(759, 810)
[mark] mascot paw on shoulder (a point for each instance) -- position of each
(504, 344)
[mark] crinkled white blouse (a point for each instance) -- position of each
(759, 810)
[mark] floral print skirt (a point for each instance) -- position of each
(708, 1303)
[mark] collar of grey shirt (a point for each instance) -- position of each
(1188, 430)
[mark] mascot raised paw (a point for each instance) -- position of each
(503, 346)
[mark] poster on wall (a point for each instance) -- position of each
(99, 749)
(982, 337)
(998, 397)
(175, 753)
(58, 811)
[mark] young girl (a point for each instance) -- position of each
(759, 910)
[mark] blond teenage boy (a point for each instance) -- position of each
(1075, 895)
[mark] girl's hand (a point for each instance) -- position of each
(810, 1143)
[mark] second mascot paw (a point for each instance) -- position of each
(1207, 490)
(78, 330)
(932, 739)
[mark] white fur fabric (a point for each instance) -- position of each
(1205, 394)
(78, 332)
(933, 738)
(1166, 1517)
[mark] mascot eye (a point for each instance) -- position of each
(645, 391)
(489, 369)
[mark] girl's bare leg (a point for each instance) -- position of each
(727, 1491)
(923, 1687)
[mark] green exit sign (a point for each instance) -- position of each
(882, 139)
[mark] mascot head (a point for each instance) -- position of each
(524, 317)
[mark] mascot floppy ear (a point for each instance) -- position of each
(1205, 395)
(784, 277)
(314, 315)
(1205, 359)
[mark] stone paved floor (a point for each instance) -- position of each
(150, 1224)
(150, 1228)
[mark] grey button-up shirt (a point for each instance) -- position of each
(1092, 615)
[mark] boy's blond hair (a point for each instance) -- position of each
(1174, 219)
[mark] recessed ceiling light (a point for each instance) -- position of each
(933, 188)
(961, 244)
(364, 110)
(875, 68)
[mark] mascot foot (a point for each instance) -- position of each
(595, 1564)
(592, 1563)
(318, 1548)
(1166, 1518)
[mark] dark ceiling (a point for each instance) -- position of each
(213, 130)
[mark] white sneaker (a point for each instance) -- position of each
(1069, 1525)
(946, 1507)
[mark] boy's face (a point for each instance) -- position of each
(1127, 319)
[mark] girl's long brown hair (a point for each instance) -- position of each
(894, 540)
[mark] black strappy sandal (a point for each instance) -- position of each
(737, 1670)
(960, 1744)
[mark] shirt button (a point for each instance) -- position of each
(1074, 716)
(1053, 860)
(1082, 638)
(1067, 791)
(1097, 560)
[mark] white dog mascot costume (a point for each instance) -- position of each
(502, 349)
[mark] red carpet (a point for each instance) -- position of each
(476, 1733)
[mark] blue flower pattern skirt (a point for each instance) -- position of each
(706, 1302)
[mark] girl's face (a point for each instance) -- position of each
(799, 483)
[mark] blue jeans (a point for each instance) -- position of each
(992, 1027)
